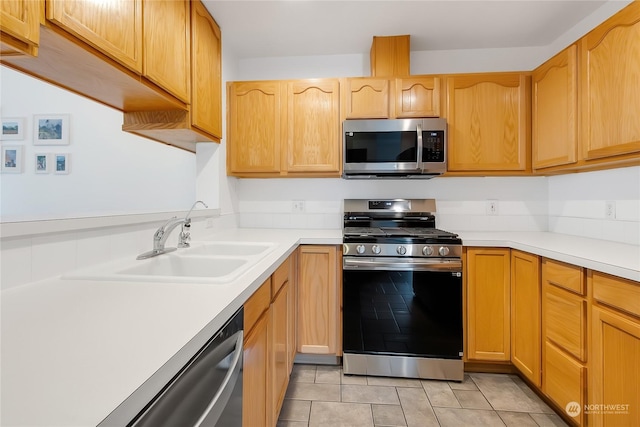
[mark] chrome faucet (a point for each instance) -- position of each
(162, 234)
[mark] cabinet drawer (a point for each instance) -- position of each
(563, 379)
(619, 293)
(563, 275)
(565, 320)
(280, 277)
(257, 304)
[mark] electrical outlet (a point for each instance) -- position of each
(492, 207)
(209, 223)
(297, 206)
(610, 210)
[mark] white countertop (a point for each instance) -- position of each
(73, 350)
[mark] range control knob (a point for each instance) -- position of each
(375, 249)
(443, 251)
(427, 251)
(401, 250)
(360, 249)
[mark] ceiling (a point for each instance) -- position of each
(253, 29)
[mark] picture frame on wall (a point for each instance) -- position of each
(42, 163)
(12, 128)
(12, 158)
(61, 163)
(51, 129)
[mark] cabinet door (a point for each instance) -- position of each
(367, 98)
(313, 126)
(565, 381)
(279, 328)
(113, 27)
(488, 304)
(614, 368)
(166, 45)
(555, 115)
(318, 300)
(525, 314)
(254, 127)
(254, 376)
(206, 71)
(20, 20)
(418, 97)
(292, 305)
(488, 117)
(609, 69)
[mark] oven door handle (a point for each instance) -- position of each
(401, 264)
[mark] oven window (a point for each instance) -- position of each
(403, 313)
(381, 147)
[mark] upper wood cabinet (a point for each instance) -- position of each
(366, 98)
(313, 126)
(417, 97)
(488, 331)
(488, 117)
(555, 111)
(158, 61)
(525, 314)
(167, 45)
(380, 98)
(113, 27)
(390, 56)
(206, 71)
(281, 128)
(19, 27)
(254, 131)
(609, 70)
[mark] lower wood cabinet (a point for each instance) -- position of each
(525, 314)
(614, 365)
(268, 348)
(256, 359)
(318, 300)
(564, 336)
(488, 324)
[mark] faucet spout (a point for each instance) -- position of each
(162, 234)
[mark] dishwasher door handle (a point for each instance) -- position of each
(226, 388)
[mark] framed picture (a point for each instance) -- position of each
(12, 158)
(51, 129)
(42, 163)
(61, 163)
(12, 128)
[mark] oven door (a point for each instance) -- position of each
(402, 307)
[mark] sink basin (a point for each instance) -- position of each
(185, 267)
(229, 249)
(170, 268)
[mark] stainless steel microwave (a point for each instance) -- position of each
(400, 148)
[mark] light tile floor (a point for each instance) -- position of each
(321, 395)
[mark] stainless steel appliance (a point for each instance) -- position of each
(401, 148)
(402, 291)
(206, 392)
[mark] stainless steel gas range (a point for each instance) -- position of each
(402, 291)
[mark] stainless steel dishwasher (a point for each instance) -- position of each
(208, 390)
(198, 387)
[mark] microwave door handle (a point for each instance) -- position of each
(420, 148)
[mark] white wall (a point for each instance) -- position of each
(112, 172)
(577, 204)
